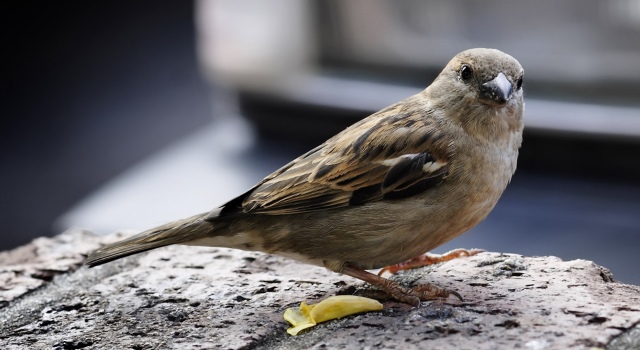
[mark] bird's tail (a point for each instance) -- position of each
(172, 233)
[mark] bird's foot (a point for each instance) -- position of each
(424, 292)
(429, 259)
(412, 296)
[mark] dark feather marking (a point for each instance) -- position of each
(427, 136)
(357, 146)
(324, 169)
(365, 194)
(234, 206)
(409, 122)
(407, 170)
(374, 152)
(394, 149)
(417, 187)
(437, 137)
(403, 180)
(397, 117)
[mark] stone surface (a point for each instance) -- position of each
(29, 267)
(200, 298)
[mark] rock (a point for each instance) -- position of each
(29, 267)
(193, 298)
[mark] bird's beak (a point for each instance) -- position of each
(497, 91)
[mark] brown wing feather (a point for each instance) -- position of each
(392, 154)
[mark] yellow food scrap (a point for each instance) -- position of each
(339, 306)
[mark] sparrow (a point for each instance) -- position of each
(387, 189)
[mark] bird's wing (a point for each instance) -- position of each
(395, 153)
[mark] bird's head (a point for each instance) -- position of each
(482, 88)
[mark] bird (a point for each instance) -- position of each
(385, 190)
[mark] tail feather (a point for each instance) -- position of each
(172, 233)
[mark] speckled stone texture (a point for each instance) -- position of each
(206, 298)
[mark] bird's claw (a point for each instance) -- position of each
(429, 259)
(424, 292)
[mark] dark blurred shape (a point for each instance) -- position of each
(88, 89)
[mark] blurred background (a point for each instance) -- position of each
(125, 115)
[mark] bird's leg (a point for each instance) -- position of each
(429, 259)
(411, 296)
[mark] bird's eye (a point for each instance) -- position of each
(466, 72)
(519, 83)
